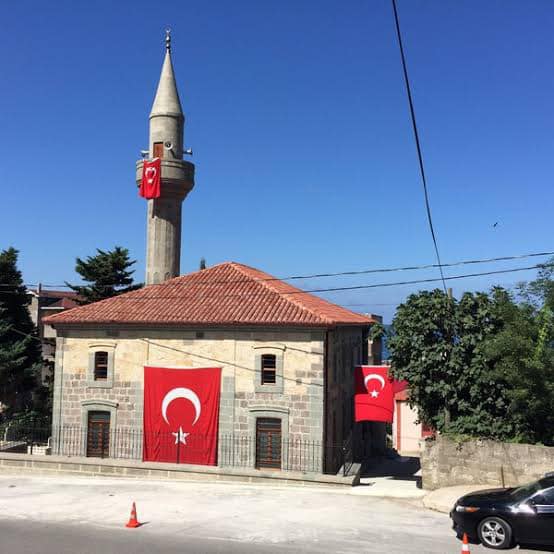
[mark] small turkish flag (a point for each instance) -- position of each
(151, 179)
(374, 391)
(181, 415)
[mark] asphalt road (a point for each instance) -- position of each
(58, 515)
(18, 537)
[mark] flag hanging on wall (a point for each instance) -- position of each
(151, 179)
(374, 392)
(181, 415)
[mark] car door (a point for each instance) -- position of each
(539, 525)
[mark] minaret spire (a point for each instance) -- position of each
(167, 121)
(166, 101)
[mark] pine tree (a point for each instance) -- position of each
(108, 273)
(20, 351)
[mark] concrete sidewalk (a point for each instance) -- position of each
(442, 500)
(388, 487)
(390, 476)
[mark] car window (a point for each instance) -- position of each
(546, 497)
(526, 490)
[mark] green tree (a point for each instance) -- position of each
(109, 274)
(436, 345)
(522, 356)
(540, 291)
(20, 351)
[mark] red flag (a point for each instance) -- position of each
(373, 398)
(151, 178)
(181, 415)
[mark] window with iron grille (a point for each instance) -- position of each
(269, 365)
(100, 366)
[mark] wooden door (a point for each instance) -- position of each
(268, 443)
(98, 434)
(158, 150)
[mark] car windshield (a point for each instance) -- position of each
(526, 490)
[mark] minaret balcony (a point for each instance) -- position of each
(177, 176)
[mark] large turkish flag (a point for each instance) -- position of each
(150, 184)
(181, 415)
(374, 391)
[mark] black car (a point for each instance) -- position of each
(504, 518)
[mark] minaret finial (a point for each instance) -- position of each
(168, 39)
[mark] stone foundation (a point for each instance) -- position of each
(86, 467)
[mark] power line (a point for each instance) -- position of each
(199, 355)
(28, 335)
(420, 281)
(343, 273)
(332, 289)
(226, 362)
(418, 145)
(507, 285)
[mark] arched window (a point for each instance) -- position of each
(269, 366)
(100, 366)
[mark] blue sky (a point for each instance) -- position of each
(297, 115)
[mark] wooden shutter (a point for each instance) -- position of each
(100, 366)
(158, 150)
(269, 364)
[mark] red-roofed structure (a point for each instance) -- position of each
(223, 295)
(286, 359)
(42, 304)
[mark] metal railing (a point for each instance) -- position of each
(233, 450)
(348, 455)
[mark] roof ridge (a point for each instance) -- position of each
(268, 283)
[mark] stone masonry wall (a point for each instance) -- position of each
(126, 394)
(445, 463)
(297, 400)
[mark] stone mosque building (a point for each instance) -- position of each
(286, 357)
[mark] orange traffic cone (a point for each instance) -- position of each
(133, 521)
(465, 544)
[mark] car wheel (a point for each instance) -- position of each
(495, 533)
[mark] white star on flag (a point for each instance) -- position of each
(374, 394)
(180, 436)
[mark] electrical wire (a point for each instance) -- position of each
(148, 298)
(418, 145)
(337, 274)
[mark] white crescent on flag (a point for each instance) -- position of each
(187, 394)
(150, 174)
(371, 376)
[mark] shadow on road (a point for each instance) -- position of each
(393, 466)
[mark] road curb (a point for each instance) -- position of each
(442, 500)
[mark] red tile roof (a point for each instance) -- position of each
(65, 303)
(225, 294)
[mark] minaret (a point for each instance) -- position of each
(163, 243)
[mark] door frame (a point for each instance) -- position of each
(275, 412)
(98, 406)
